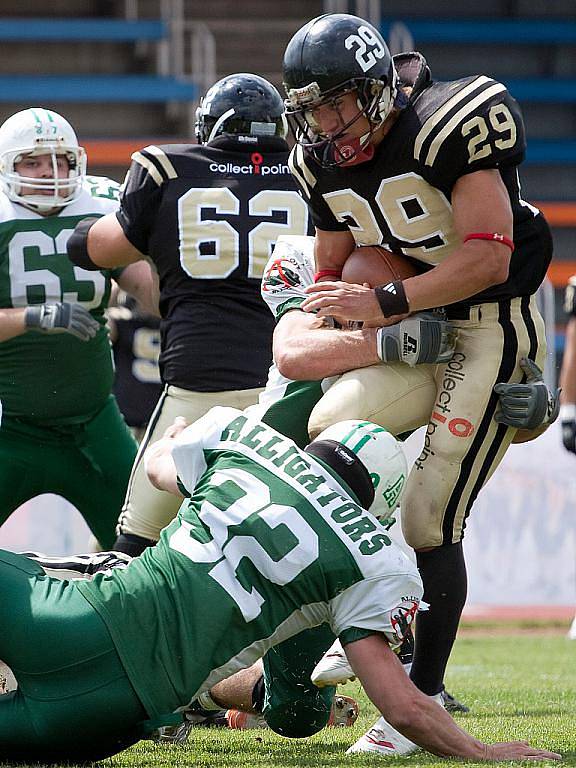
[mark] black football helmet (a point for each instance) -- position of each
(244, 107)
(332, 55)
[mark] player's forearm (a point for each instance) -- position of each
(331, 249)
(474, 267)
(428, 724)
(12, 323)
(319, 353)
(160, 467)
(416, 716)
(141, 281)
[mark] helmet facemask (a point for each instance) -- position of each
(375, 99)
(64, 189)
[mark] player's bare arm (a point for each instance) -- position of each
(419, 717)
(140, 280)
(12, 323)
(331, 249)
(158, 461)
(304, 349)
(101, 244)
(480, 203)
(568, 371)
(108, 246)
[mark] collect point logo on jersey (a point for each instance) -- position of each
(257, 161)
(255, 168)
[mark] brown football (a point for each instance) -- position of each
(375, 265)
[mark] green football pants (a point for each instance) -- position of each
(88, 464)
(293, 705)
(74, 702)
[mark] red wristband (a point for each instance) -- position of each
(337, 273)
(495, 236)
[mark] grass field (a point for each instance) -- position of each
(517, 686)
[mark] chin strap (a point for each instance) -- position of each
(353, 151)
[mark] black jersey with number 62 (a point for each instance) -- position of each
(208, 216)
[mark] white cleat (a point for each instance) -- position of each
(333, 668)
(572, 631)
(7, 680)
(386, 740)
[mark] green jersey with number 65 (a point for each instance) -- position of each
(271, 542)
(53, 378)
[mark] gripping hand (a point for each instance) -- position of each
(62, 318)
(529, 405)
(425, 337)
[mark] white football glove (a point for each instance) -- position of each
(62, 318)
(529, 405)
(425, 337)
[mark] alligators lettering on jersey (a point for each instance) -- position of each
(252, 559)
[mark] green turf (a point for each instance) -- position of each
(517, 686)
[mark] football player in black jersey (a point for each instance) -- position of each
(386, 156)
(207, 216)
(135, 337)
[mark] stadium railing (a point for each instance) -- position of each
(184, 61)
(483, 32)
(96, 88)
(82, 29)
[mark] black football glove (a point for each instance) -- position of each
(62, 318)
(529, 405)
(568, 422)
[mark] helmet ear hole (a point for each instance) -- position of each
(243, 107)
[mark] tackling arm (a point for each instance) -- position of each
(331, 249)
(158, 462)
(419, 717)
(305, 349)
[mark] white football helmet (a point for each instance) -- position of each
(38, 131)
(382, 456)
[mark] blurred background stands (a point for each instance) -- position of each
(129, 72)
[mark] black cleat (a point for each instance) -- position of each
(451, 704)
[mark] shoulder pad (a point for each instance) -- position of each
(156, 162)
(413, 71)
(473, 122)
(289, 271)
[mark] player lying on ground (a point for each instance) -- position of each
(271, 540)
